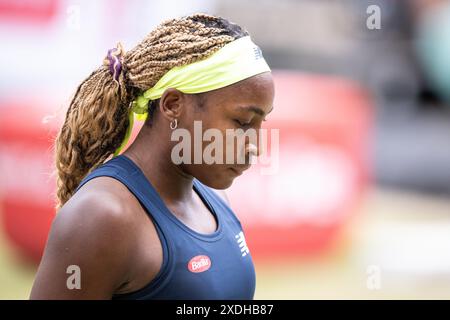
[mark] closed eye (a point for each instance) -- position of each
(242, 124)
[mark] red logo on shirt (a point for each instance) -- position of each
(199, 264)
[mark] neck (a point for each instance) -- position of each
(153, 158)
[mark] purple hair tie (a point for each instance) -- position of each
(114, 61)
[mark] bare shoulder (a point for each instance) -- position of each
(100, 200)
(98, 211)
(92, 231)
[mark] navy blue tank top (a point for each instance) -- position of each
(195, 265)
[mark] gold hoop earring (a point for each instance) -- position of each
(173, 124)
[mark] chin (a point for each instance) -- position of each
(219, 181)
(219, 184)
(222, 185)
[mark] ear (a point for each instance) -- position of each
(172, 104)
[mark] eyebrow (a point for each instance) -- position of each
(256, 110)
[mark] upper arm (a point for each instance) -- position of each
(91, 236)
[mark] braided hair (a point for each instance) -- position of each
(97, 118)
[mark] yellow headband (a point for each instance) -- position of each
(236, 61)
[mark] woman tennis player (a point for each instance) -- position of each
(137, 224)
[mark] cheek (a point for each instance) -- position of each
(203, 117)
(204, 127)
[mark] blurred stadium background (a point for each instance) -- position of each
(358, 204)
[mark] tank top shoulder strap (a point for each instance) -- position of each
(126, 171)
(123, 169)
(217, 201)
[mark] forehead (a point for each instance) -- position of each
(257, 90)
